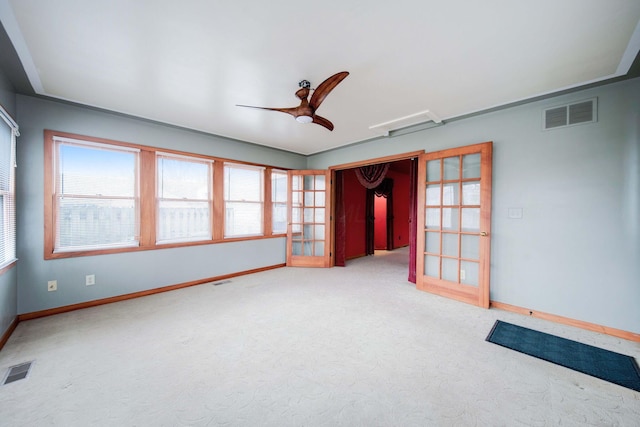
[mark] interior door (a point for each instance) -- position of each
(309, 228)
(454, 223)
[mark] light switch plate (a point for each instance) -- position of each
(515, 213)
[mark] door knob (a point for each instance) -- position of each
(483, 233)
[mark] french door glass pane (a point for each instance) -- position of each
(319, 215)
(432, 266)
(320, 182)
(450, 219)
(296, 215)
(452, 168)
(308, 182)
(470, 246)
(319, 248)
(433, 195)
(432, 218)
(432, 242)
(471, 219)
(307, 233)
(308, 198)
(471, 273)
(320, 199)
(296, 248)
(471, 193)
(450, 194)
(433, 170)
(471, 166)
(450, 269)
(295, 198)
(308, 214)
(450, 244)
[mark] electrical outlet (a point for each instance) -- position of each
(52, 285)
(463, 275)
(90, 279)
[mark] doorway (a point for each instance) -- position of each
(393, 196)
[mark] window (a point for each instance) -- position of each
(279, 201)
(243, 200)
(95, 196)
(103, 196)
(8, 134)
(184, 198)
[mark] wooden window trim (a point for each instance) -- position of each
(147, 202)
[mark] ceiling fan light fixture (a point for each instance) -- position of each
(304, 119)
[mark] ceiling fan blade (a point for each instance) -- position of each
(325, 87)
(293, 111)
(322, 122)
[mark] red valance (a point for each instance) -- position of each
(371, 176)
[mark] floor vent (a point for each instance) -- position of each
(570, 114)
(221, 282)
(17, 372)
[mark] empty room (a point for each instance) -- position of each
(337, 214)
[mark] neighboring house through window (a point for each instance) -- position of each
(243, 200)
(184, 198)
(279, 201)
(96, 195)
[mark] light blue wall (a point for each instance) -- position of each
(8, 280)
(575, 251)
(123, 273)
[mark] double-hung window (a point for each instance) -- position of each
(279, 201)
(243, 200)
(96, 195)
(184, 198)
(8, 133)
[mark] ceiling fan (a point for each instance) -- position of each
(306, 111)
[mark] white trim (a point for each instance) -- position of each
(9, 121)
(184, 157)
(100, 145)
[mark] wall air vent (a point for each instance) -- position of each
(570, 114)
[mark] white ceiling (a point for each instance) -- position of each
(190, 62)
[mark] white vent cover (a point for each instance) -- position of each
(570, 114)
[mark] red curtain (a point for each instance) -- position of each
(369, 217)
(413, 212)
(340, 227)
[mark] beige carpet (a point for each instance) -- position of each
(354, 346)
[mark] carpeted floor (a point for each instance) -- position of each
(354, 346)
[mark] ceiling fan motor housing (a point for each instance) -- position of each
(306, 84)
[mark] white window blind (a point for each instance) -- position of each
(8, 133)
(96, 195)
(279, 201)
(184, 198)
(243, 200)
